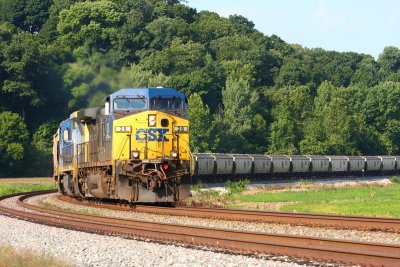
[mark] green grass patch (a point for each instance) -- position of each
(363, 201)
(8, 187)
(372, 207)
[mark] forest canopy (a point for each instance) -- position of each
(248, 92)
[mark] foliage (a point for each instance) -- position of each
(90, 24)
(250, 93)
(395, 180)
(236, 187)
(200, 124)
(13, 139)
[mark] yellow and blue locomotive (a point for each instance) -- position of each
(134, 148)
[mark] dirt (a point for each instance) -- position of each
(27, 180)
(313, 185)
(267, 206)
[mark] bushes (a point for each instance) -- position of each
(236, 187)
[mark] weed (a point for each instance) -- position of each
(236, 187)
(395, 180)
(305, 182)
(195, 188)
(19, 258)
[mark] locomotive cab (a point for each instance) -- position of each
(151, 129)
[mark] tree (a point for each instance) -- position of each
(90, 24)
(13, 139)
(294, 106)
(40, 150)
(178, 58)
(200, 124)
(240, 127)
(338, 125)
(367, 73)
(210, 26)
(389, 59)
(28, 15)
(163, 30)
(292, 73)
(241, 24)
(29, 77)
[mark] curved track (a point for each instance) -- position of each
(372, 254)
(343, 222)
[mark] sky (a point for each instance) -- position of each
(363, 26)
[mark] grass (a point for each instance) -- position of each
(236, 187)
(395, 180)
(10, 257)
(18, 185)
(207, 198)
(215, 199)
(363, 201)
(81, 211)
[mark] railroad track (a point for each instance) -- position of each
(330, 250)
(342, 222)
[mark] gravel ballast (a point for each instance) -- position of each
(84, 249)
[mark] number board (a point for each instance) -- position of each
(180, 129)
(123, 129)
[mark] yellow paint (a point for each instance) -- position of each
(154, 149)
(75, 114)
(86, 138)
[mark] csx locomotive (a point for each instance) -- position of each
(134, 148)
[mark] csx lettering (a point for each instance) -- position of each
(153, 134)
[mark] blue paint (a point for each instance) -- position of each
(153, 134)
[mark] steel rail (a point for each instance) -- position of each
(334, 221)
(372, 254)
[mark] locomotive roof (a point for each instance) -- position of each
(147, 93)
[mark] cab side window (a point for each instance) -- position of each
(66, 136)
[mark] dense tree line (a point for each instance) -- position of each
(248, 93)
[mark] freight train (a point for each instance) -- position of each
(134, 148)
(217, 167)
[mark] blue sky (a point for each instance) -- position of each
(342, 25)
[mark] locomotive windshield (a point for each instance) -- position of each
(130, 104)
(168, 104)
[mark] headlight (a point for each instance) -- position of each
(152, 120)
(135, 154)
(174, 154)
